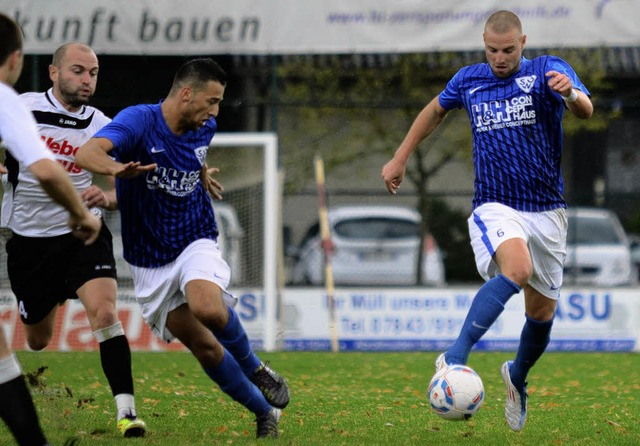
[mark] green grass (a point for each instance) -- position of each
(340, 399)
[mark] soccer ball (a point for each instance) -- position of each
(456, 392)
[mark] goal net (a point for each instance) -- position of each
(249, 219)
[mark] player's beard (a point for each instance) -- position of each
(75, 100)
(72, 97)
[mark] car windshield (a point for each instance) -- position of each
(377, 228)
(592, 231)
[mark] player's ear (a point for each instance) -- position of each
(15, 59)
(53, 73)
(186, 93)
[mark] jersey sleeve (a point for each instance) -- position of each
(124, 132)
(450, 97)
(18, 130)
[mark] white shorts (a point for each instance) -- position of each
(544, 232)
(161, 290)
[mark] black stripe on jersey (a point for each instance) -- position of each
(12, 166)
(62, 121)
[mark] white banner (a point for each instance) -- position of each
(430, 319)
(203, 27)
(373, 319)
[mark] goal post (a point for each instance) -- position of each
(239, 169)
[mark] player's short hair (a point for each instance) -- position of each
(503, 21)
(197, 72)
(10, 37)
(60, 53)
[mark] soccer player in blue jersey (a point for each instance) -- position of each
(169, 234)
(518, 225)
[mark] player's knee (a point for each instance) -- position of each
(212, 316)
(102, 317)
(37, 343)
(519, 274)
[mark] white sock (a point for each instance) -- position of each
(126, 405)
(9, 368)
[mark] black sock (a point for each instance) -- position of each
(19, 413)
(115, 357)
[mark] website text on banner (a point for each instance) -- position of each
(166, 27)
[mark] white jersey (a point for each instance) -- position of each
(18, 131)
(26, 208)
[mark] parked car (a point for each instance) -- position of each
(634, 239)
(370, 245)
(598, 249)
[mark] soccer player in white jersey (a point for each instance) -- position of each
(41, 244)
(169, 234)
(518, 226)
(19, 134)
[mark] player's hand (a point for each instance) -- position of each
(94, 196)
(132, 169)
(560, 83)
(392, 175)
(210, 184)
(86, 228)
(3, 169)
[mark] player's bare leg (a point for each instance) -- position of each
(99, 299)
(222, 368)
(39, 335)
(206, 302)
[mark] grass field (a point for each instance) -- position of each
(340, 399)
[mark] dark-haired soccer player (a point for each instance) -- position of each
(19, 134)
(169, 234)
(518, 226)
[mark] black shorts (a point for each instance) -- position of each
(46, 271)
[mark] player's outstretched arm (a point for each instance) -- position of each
(92, 156)
(425, 123)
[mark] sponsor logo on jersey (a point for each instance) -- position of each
(175, 182)
(64, 148)
(513, 112)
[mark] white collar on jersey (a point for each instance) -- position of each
(53, 101)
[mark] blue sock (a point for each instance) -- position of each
(533, 342)
(235, 384)
(485, 309)
(235, 340)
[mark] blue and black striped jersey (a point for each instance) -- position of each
(164, 210)
(517, 132)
